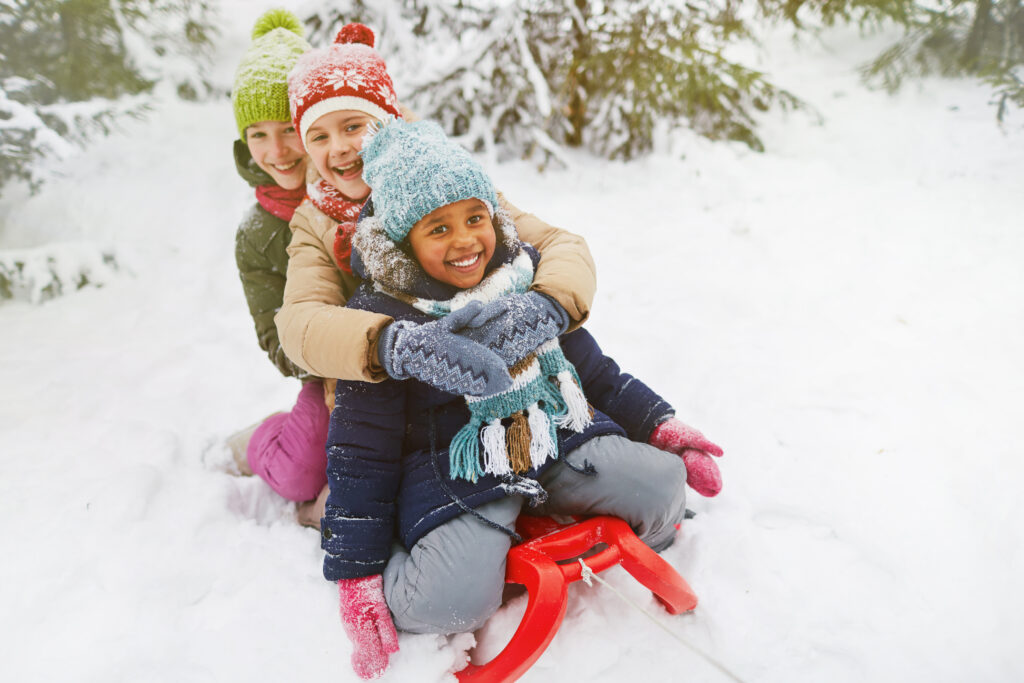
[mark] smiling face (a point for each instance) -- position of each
(333, 143)
(454, 243)
(276, 148)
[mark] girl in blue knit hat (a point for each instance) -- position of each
(426, 484)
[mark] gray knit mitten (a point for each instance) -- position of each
(515, 325)
(434, 354)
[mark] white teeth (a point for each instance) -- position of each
(468, 261)
(286, 167)
(342, 169)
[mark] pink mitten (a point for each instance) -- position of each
(696, 450)
(368, 624)
(702, 473)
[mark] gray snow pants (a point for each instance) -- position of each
(452, 579)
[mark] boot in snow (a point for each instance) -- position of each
(238, 444)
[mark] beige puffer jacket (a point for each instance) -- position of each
(328, 340)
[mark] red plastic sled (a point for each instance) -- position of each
(534, 564)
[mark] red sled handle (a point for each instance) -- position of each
(535, 565)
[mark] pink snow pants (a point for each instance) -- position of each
(288, 449)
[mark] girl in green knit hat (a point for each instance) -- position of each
(286, 449)
(260, 98)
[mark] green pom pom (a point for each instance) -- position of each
(277, 18)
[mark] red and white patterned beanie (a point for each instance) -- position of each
(349, 74)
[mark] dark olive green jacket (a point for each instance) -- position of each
(261, 245)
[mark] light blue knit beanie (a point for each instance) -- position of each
(413, 169)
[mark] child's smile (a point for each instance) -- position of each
(467, 263)
(333, 143)
(350, 170)
(454, 244)
(276, 148)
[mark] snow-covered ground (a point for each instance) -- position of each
(842, 313)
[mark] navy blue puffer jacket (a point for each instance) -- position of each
(387, 449)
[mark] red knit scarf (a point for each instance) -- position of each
(328, 199)
(279, 201)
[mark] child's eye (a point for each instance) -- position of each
(473, 220)
(439, 230)
(319, 137)
(290, 130)
(352, 128)
(256, 134)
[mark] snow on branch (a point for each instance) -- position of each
(36, 275)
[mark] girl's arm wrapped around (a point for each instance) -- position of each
(327, 340)
(566, 272)
(317, 332)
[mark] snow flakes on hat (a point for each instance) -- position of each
(414, 168)
(348, 75)
(260, 90)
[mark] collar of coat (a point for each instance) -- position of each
(247, 167)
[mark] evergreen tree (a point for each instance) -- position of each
(514, 78)
(69, 68)
(983, 38)
(634, 64)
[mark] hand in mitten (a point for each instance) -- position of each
(515, 325)
(702, 473)
(696, 450)
(434, 354)
(368, 624)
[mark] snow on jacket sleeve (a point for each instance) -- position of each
(566, 272)
(317, 332)
(633, 405)
(364, 471)
(260, 255)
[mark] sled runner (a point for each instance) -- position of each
(534, 564)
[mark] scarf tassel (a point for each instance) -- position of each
(543, 439)
(464, 453)
(519, 442)
(528, 442)
(495, 453)
(578, 415)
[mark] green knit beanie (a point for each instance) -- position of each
(260, 92)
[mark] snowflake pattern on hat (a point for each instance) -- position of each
(348, 75)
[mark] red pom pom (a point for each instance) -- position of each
(355, 33)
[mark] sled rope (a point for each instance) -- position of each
(588, 576)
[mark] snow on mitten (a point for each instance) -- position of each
(515, 325)
(702, 472)
(367, 623)
(434, 354)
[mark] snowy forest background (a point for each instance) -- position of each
(806, 220)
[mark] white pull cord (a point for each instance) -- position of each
(589, 576)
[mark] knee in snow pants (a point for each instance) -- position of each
(636, 482)
(452, 579)
(288, 449)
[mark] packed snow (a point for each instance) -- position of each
(841, 313)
